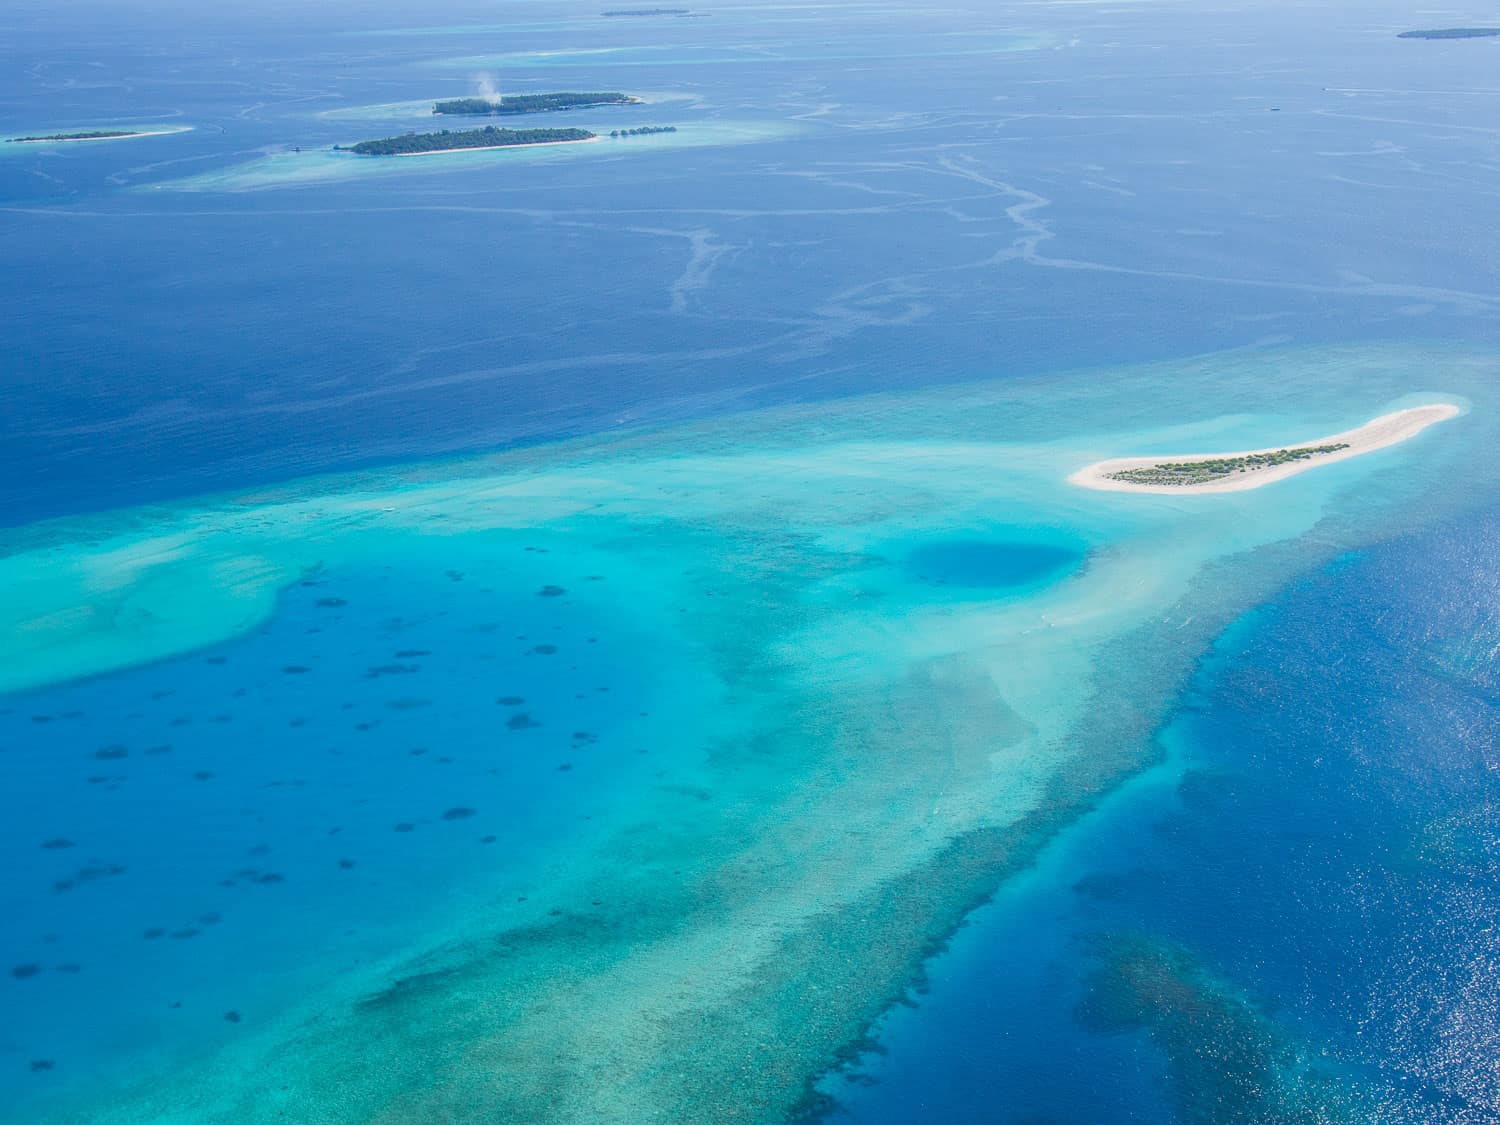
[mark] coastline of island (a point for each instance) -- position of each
(1253, 468)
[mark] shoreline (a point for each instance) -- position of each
(1378, 433)
(492, 148)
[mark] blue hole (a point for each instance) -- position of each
(991, 564)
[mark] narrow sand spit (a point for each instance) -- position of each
(1388, 429)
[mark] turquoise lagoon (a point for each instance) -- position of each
(680, 750)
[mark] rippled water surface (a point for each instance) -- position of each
(604, 633)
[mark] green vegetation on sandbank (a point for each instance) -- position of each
(97, 135)
(533, 103)
(1205, 472)
(1452, 33)
(643, 131)
(446, 140)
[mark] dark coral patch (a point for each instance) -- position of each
(510, 700)
(88, 874)
(459, 813)
(379, 670)
(22, 972)
(551, 591)
(408, 703)
(57, 843)
(521, 721)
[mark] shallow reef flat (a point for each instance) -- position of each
(292, 169)
(718, 54)
(421, 109)
(917, 652)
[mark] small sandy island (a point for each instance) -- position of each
(1251, 468)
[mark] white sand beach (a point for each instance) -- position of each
(1388, 429)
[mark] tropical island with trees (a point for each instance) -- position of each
(96, 135)
(1452, 33)
(1204, 472)
(1253, 468)
(643, 131)
(532, 103)
(414, 144)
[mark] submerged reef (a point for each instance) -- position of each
(854, 699)
(1226, 1061)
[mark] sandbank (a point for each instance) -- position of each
(1388, 429)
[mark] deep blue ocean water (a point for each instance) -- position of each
(1153, 182)
(1320, 840)
(1149, 181)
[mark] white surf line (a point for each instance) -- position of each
(1388, 429)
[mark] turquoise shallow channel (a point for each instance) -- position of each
(681, 750)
